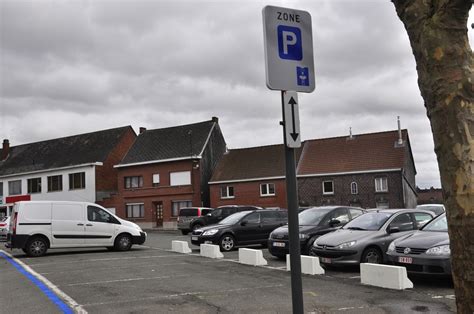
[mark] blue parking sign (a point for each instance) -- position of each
(289, 43)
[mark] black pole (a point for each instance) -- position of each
(293, 224)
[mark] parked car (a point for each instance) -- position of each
(425, 251)
(313, 222)
(4, 223)
(366, 238)
(187, 215)
(217, 215)
(36, 226)
(438, 209)
(242, 228)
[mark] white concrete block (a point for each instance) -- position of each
(211, 251)
(252, 257)
(385, 276)
(180, 246)
(309, 265)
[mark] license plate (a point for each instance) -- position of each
(325, 260)
(406, 260)
(279, 244)
(194, 238)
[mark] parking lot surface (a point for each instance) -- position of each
(152, 279)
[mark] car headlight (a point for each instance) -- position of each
(210, 232)
(439, 250)
(303, 236)
(346, 245)
(391, 247)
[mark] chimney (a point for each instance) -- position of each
(399, 142)
(5, 149)
(215, 119)
(351, 137)
(142, 130)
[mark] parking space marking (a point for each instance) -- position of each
(211, 292)
(49, 289)
(121, 280)
(115, 267)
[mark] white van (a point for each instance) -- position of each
(36, 226)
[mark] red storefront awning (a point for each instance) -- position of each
(17, 198)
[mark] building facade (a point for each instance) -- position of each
(165, 170)
(74, 168)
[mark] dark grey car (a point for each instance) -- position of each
(425, 251)
(366, 238)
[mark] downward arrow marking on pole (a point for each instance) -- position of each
(293, 134)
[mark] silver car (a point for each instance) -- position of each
(366, 238)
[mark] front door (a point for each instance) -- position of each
(159, 214)
(99, 227)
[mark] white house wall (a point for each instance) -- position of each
(87, 194)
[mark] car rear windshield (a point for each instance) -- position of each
(368, 221)
(312, 216)
(438, 224)
(188, 212)
(205, 211)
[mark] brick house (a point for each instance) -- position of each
(367, 170)
(430, 196)
(74, 168)
(165, 170)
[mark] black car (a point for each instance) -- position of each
(242, 228)
(313, 222)
(217, 215)
(425, 251)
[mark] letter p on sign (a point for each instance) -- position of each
(289, 43)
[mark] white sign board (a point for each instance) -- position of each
(288, 41)
(292, 120)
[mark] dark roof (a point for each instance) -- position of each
(364, 152)
(170, 143)
(62, 152)
(252, 163)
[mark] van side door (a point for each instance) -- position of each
(99, 227)
(67, 225)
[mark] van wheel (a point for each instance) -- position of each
(123, 242)
(36, 247)
(110, 248)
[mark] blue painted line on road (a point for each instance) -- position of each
(48, 292)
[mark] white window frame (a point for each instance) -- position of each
(267, 188)
(227, 194)
(14, 184)
(141, 208)
(180, 178)
(354, 188)
(379, 184)
(324, 189)
(156, 179)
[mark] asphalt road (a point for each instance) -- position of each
(152, 279)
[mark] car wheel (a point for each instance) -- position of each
(36, 247)
(123, 242)
(196, 226)
(372, 255)
(227, 242)
(184, 232)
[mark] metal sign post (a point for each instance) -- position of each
(289, 68)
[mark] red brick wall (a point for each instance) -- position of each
(106, 175)
(248, 193)
(150, 195)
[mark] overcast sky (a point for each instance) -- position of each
(71, 67)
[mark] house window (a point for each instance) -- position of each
(177, 205)
(1, 190)
(180, 178)
(328, 187)
(14, 187)
(354, 188)
(381, 184)
(55, 183)
(135, 210)
(267, 189)
(382, 204)
(77, 181)
(133, 182)
(156, 179)
(227, 191)
(34, 185)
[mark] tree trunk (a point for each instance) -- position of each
(437, 30)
